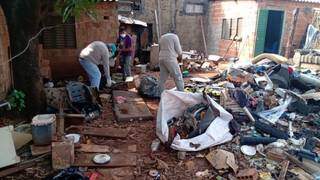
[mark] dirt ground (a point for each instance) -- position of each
(142, 133)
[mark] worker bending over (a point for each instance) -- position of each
(96, 53)
(170, 53)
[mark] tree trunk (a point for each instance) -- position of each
(23, 19)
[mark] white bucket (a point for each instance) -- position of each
(143, 68)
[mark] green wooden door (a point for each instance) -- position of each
(261, 31)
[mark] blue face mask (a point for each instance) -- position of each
(123, 35)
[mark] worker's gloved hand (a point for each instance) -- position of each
(109, 83)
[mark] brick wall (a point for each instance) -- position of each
(304, 18)
(248, 10)
(64, 62)
(5, 75)
(187, 27)
(232, 9)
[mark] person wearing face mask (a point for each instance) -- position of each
(96, 53)
(125, 50)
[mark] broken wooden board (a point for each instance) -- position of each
(92, 148)
(124, 173)
(103, 132)
(133, 108)
(8, 154)
(228, 103)
(22, 166)
(124, 148)
(15, 169)
(20, 139)
(38, 150)
(62, 154)
(117, 160)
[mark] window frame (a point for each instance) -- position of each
(53, 33)
(187, 3)
(232, 26)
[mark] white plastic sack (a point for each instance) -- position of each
(173, 104)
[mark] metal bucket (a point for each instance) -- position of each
(43, 129)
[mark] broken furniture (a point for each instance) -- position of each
(82, 100)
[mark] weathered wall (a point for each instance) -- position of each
(5, 75)
(304, 19)
(64, 62)
(248, 10)
(187, 27)
(232, 9)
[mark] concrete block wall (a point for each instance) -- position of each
(5, 73)
(64, 62)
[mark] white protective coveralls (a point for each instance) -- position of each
(170, 49)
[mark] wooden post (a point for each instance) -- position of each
(159, 15)
(291, 32)
(157, 25)
(203, 37)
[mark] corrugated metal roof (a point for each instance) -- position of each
(308, 1)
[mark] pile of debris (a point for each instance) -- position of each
(274, 124)
(69, 137)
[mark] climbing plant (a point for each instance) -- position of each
(68, 8)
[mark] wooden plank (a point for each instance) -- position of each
(92, 148)
(62, 154)
(117, 160)
(15, 169)
(21, 166)
(134, 107)
(38, 150)
(20, 139)
(125, 173)
(283, 172)
(129, 95)
(103, 132)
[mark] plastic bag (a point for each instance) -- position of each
(149, 87)
(272, 115)
(173, 104)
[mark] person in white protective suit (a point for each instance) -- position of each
(170, 53)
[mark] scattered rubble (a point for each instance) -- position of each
(251, 122)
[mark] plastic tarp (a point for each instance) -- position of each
(173, 104)
(273, 115)
(312, 34)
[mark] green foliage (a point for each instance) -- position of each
(68, 8)
(17, 100)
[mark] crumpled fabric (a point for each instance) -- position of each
(70, 173)
(149, 87)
